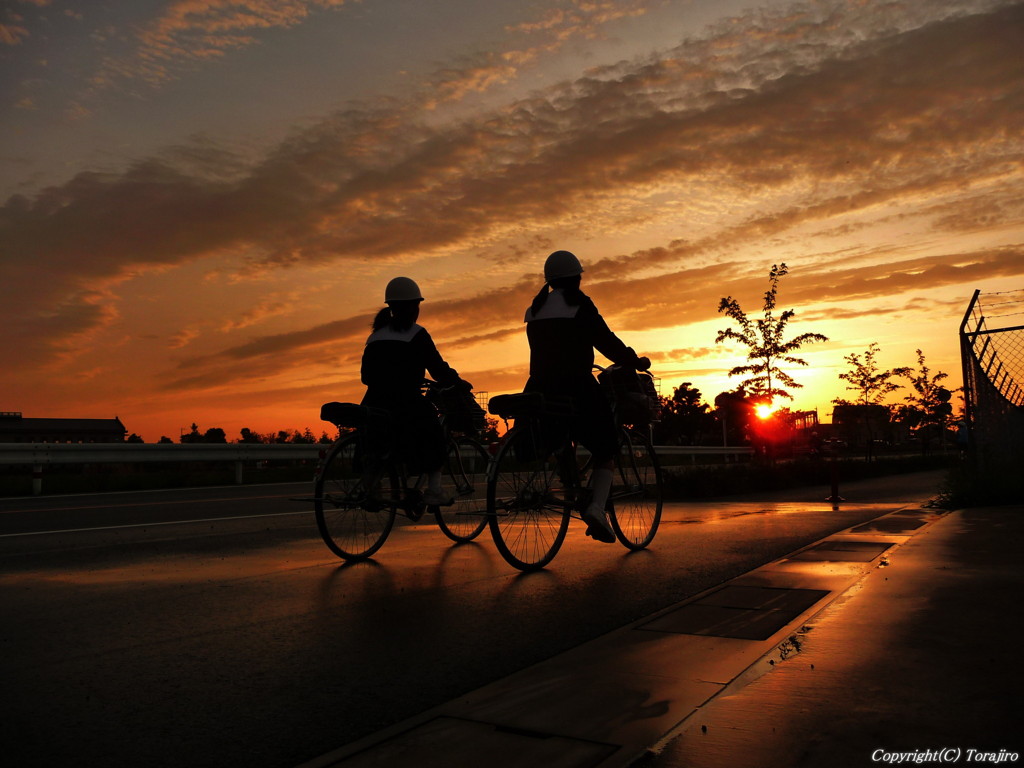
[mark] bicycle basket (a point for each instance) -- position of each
(633, 394)
(461, 410)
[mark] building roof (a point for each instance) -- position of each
(13, 424)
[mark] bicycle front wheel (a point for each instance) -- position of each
(528, 504)
(354, 502)
(636, 495)
(464, 478)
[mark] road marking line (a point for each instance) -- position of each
(149, 525)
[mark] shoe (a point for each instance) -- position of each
(437, 499)
(598, 527)
(414, 504)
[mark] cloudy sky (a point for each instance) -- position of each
(203, 199)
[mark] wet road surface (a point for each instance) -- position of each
(243, 641)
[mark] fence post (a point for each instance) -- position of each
(37, 479)
(833, 473)
(238, 472)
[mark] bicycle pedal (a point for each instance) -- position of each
(597, 533)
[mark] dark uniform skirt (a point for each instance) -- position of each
(592, 424)
(414, 430)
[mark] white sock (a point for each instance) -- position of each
(600, 485)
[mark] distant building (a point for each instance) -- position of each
(859, 424)
(14, 428)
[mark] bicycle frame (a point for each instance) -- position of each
(537, 483)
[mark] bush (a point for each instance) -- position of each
(698, 482)
(966, 488)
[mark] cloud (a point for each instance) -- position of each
(581, 18)
(691, 295)
(190, 32)
(12, 35)
(667, 301)
(686, 353)
(836, 110)
(264, 310)
(877, 311)
(183, 337)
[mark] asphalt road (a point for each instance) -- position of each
(213, 628)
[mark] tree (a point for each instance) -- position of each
(214, 435)
(871, 384)
(734, 411)
(248, 436)
(133, 438)
(489, 434)
(764, 341)
(928, 408)
(684, 418)
(164, 439)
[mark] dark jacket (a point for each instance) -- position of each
(395, 363)
(563, 338)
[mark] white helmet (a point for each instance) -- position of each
(402, 289)
(562, 264)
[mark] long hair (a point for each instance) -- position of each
(570, 286)
(399, 315)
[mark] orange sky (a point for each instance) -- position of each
(204, 200)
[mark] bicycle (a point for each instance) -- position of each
(536, 484)
(361, 482)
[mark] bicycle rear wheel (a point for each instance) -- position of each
(528, 504)
(354, 503)
(636, 495)
(464, 478)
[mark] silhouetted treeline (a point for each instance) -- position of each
(246, 435)
(687, 420)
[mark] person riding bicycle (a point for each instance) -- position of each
(397, 354)
(564, 327)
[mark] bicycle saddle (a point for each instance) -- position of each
(345, 414)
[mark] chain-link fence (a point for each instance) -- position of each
(992, 352)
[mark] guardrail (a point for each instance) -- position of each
(693, 451)
(40, 455)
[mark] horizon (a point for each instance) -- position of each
(203, 202)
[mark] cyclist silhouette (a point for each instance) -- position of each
(396, 356)
(564, 327)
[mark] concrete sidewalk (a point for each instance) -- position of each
(921, 654)
(893, 636)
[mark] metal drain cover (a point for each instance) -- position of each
(891, 524)
(847, 551)
(745, 613)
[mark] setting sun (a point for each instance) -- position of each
(764, 410)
